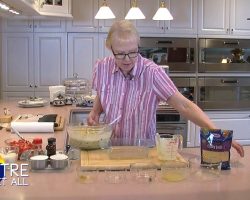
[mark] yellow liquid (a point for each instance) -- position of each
(173, 176)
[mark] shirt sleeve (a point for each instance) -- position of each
(163, 86)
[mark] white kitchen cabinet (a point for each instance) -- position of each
(17, 96)
(33, 62)
(84, 12)
(57, 8)
(191, 134)
(103, 51)
(184, 13)
(82, 54)
(29, 25)
(223, 17)
(238, 121)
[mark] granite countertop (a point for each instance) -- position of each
(232, 184)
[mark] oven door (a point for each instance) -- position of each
(186, 86)
(178, 53)
(224, 55)
(224, 93)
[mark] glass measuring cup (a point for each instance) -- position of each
(168, 145)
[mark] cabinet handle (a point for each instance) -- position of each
(229, 81)
(35, 86)
(232, 30)
(248, 18)
(227, 30)
(31, 86)
(167, 28)
(30, 25)
(231, 43)
(165, 42)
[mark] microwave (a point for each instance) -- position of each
(224, 55)
(177, 53)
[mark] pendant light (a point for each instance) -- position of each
(163, 13)
(135, 12)
(104, 12)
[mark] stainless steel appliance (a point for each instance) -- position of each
(186, 86)
(178, 53)
(224, 55)
(224, 93)
(170, 121)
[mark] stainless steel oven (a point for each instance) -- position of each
(170, 121)
(186, 86)
(224, 93)
(224, 55)
(178, 53)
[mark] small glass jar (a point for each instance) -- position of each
(51, 147)
(37, 146)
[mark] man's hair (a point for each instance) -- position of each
(123, 30)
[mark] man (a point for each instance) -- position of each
(132, 86)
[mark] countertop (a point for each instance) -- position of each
(231, 185)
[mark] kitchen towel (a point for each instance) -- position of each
(33, 127)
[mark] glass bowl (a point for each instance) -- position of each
(85, 175)
(174, 173)
(9, 154)
(90, 137)
(25, 147)
(126, 148)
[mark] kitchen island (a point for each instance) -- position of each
(231, 185)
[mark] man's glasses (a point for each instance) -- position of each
(122, 56)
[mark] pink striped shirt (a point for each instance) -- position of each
(135, 98)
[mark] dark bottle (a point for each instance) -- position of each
(51, 147)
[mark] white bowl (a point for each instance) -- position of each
(59, 161)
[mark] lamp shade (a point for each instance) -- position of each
(104, 12)
(135, 12)
(163, 13)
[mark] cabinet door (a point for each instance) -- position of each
(149, 8)
(17, 62)
(119, 8)
(84, 12)
(49, 25)
(184, 13)
(17, 25)
(82, 54)
(213, 16)
(17, 96)
(50, 59)
(103, 51)
(240, 17)
(191, 134)
(21, 25)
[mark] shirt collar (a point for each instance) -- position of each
(136, 71)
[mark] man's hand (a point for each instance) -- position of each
(93, 118)
(238, 147)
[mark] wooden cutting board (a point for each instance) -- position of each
(102, 159)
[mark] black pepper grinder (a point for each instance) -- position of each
(51, 147)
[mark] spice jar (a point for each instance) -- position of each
(37, 146)
(51, 147)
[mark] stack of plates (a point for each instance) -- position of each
(30, 103)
